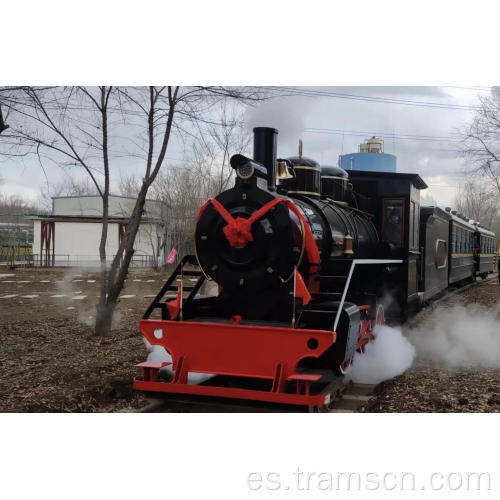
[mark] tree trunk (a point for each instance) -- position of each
(3, 125)
(101, 324)
(104, 317)
(119, 268)
(104, 313)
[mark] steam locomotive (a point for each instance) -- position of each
(307, 260)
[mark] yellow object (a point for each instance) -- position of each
(348, 245)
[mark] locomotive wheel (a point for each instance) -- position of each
(379, 320)
(380, 315)
(343, 369)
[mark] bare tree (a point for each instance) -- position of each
(7, 100)
(482, 140)
(69, 186)
(72, 124)
(476, 201)
(3, 125)
(205, 173)
(129, 186)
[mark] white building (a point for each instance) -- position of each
(70, 236)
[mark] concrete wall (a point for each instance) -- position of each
(77, 243)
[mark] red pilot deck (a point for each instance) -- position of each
(258, 352)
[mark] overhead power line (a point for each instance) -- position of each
(479, 88)
(294, 91)
(385, 135)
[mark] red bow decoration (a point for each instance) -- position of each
(238, 232)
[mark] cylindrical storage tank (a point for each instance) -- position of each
(333, 183)
(368, 162)
(307, 177)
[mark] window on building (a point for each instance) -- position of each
(392, 225)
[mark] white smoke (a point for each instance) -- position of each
(450, 338)
(459, 337)
(389, 355)
(287, 117)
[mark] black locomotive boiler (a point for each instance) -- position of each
(305, 257)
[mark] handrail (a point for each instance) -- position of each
(348, 282)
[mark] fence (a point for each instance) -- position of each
(65, 260)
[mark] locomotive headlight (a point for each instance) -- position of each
(245, 171)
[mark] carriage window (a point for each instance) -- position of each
(392, 226)
(414, 220)
(440, 254)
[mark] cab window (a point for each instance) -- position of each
(393, 219)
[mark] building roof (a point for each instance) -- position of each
(85, 218)
(99, 196)
(91, 206)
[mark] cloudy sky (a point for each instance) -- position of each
(420, 125)
(424, 137)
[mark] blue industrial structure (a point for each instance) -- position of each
(371, 157)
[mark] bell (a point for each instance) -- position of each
(284, 170)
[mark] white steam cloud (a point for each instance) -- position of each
(459, 337)
(450, 338)
(389, 355)
(286, 116)
(160, 354)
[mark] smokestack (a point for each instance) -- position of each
(264, 151)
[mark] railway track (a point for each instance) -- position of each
(345, 396)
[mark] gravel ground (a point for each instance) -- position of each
(429, 387)
(52, 362)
